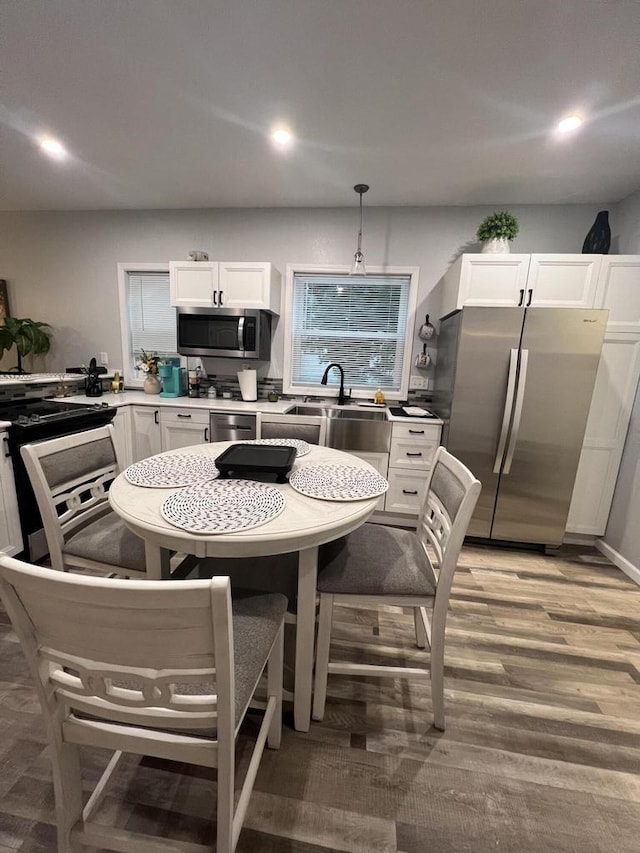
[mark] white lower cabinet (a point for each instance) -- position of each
(412, 447)
(183, 427)
(123, 435)
(10, 534)
(147, 439)
(380, 462)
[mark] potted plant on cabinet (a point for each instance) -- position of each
(497, 230)
(30, 337)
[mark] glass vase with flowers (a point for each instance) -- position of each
(148, 364)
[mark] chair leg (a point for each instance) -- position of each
(325, 618)
(437, 677)
(275, 668)
(224, 810)
(421, 634)
(67, 786)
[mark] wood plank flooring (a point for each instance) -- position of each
(541, 751)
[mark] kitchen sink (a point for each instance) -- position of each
(357, 415)
(350, 428)
(309, 410)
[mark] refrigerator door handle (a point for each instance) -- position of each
(508, 406)
(517, 413)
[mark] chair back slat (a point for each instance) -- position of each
(70, 476)
(451, 496)
(110, 646)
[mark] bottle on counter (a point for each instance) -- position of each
(211, 392)
(115, 382)
(378, 397)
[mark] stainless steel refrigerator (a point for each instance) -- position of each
(514, 387)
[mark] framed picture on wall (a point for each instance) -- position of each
(4, 301)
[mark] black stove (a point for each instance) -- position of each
(37, 420)
(26, 413)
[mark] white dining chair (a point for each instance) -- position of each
(70, 477)
(379, 565)
(158, 668)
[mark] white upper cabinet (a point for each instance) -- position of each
(492, 280)
(193, 284)
(251, 285)
(619, 291)
(562, 281)
(514, 281)
(225, 284)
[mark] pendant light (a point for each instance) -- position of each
(358, 258)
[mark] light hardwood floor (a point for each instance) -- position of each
(541, 751)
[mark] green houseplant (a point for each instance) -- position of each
(30, 337)
(496, 230)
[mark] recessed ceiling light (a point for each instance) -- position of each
(53, 148)
(569, 123)
(282, 137)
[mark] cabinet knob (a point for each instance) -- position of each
(414, 454)
(409, 491)
(183, 416)
(416, 431)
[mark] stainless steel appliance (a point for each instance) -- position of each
(224, 332)
(225, 426)
(513, 387)
(36, 420)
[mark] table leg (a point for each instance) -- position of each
(158, 562)
(305, 637)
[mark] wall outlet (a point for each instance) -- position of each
(417, 383)
(104, 358)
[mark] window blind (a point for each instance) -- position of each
(361, 323)
(152, 320)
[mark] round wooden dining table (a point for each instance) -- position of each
(303, 525)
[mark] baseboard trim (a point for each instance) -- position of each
(618, 560)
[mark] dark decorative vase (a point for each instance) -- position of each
(598, 239)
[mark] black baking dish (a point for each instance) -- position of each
(246, 459)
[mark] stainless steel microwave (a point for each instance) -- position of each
(224, 332)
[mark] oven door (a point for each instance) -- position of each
(225, 332)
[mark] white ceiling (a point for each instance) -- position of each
(168, 103)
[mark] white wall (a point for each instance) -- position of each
(623, 528)
(61, 266)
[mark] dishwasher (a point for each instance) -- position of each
(227, 426)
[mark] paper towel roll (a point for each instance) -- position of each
(248, 380)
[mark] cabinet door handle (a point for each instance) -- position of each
(416, 431)
(521, 302)
(183, 416)
(215, 298)
(206, 433)
(220, 295)
(6, 445)
(409, 491)
(530, 296)
(155, 417)
(414, 454)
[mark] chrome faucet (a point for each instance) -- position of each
(342, 399)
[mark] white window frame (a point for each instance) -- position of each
(358, 393)
(131, 380)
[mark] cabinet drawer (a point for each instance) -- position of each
(185, 416)
(406, 491)
(416, 430)
(412, 453)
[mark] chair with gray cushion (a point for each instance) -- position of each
(155, 668)
(70, 477)
(385, 565)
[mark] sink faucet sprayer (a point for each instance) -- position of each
(342, 399)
